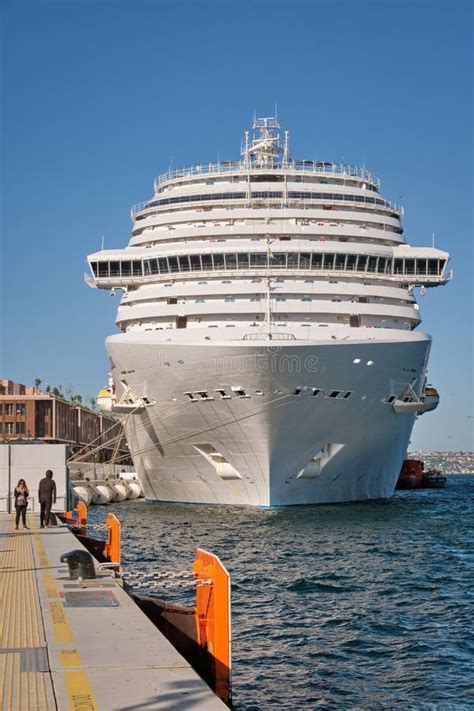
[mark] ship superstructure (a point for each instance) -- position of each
(268, 351)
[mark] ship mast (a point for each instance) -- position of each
(264, 150)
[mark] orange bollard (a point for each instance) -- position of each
(112, 547)
(213, 622)
(81, 516)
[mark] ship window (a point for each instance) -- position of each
(173, 264)
(202, 283)
(338, 301)
(218, 261)
(103, 269)
(398, 266)
(297, 391)
(199, 301)
(278, 259)
(305, 260)
(258, 259)
(420, 266)
(382, 265)
(333, 281)
(184, 263)
(243, 261)
(328, 261)
(306, 298)
(230, 261)
(206, 261)
(340, 261)
(361, 263)
(316, 261)
(153, 266)
(334, 393)
(316, 392)
(280, 298)
(347, 395)
(351, 262)
(229, 299)
(309, 281)
(255, 281)
(114, 269)
(126, 269)
(195, 260)
(433, 266)
(254, 298)
(409, 266)
(372, 264)
(94, 268)
(226, 281)
(293, 260)
(163, 264)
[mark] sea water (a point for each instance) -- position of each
(348, 606)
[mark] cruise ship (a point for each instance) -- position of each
(268, 350)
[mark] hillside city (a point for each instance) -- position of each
(448, 462)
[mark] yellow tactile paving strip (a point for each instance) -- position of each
(80, 694)
(21, 628)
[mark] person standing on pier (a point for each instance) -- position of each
(47, 497)
(21, 494)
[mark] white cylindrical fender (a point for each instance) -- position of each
(101, 494)
(134, 489)
(83, 493)
(119, 491)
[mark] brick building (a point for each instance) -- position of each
(28, 414)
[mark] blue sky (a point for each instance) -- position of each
(99, 97)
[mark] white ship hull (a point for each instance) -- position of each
(280, 444)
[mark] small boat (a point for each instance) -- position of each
(433, 479)
(411, 474)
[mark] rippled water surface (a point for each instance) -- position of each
(354, 606)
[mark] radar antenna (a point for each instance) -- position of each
(265, 150)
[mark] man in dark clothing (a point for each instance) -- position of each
(46, 497)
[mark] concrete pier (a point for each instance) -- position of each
(81, 647)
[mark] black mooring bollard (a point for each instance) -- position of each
(81, 565)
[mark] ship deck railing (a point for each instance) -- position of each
(299, 203)
(320, 167)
